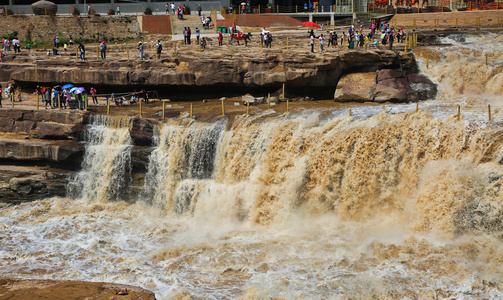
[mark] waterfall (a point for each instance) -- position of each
(105, 171)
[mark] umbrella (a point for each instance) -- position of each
(79, 90)
(67, 86)
(72, 89)
(57, 88)
(311, 24)
(243, 3)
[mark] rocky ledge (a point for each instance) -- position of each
(240, 68)
(62, 289)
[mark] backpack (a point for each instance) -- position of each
(159, 48)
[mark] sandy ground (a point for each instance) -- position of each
(66, 290)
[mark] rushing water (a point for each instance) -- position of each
(392, 205)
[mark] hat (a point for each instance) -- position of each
(140, 42)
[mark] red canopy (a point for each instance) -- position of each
(311, 24)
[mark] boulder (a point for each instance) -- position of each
(424, 87)
(43, 7)
(356, 87)
(394, 90)
(248, 99)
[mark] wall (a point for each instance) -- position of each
(155, 24)
(45, 28)
(266, 20)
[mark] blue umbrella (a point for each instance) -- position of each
(72, 89)
(79, 90)
(67, 86)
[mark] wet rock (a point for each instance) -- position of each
(424, 87)
(142, 131)
(357, 87)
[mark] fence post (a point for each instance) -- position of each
(247, 108)
(140, 109)
(191, 110)
(489, 110)
(384, 108)
(486, 59)
(456, 23)
(287, 106)
(283, 93)
(223, 108)
(12, 97)
(417, 106)
(269, 100)
(259, 9)
(59, 103)
(427, 60)
(277, 9)
(459, 112)
(350, 113)
(108, 104)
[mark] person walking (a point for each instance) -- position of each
(103, 49)
(198, 33)
(118, 9)
(311, 37)
(188, 35)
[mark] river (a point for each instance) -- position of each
(310, 205)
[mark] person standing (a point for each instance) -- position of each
(172, 7)
(56, 42)
(199, 9)
(322, 43)
(391, 38)
(118, 9)
(65, 46)
(93, 95)
(311, 37)
(167, 8)
(158, 47)
(188, 35)
(185, 35)
(198, 33)
(140, 49)
(103, 49)
(82, 52)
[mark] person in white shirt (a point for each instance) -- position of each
(322, 43)
(312, 43)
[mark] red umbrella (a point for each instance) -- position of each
(311, 24)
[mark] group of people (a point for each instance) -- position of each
(56, 97)
(15, 43)
(181, 10)
(206, 21)
(356, 39)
